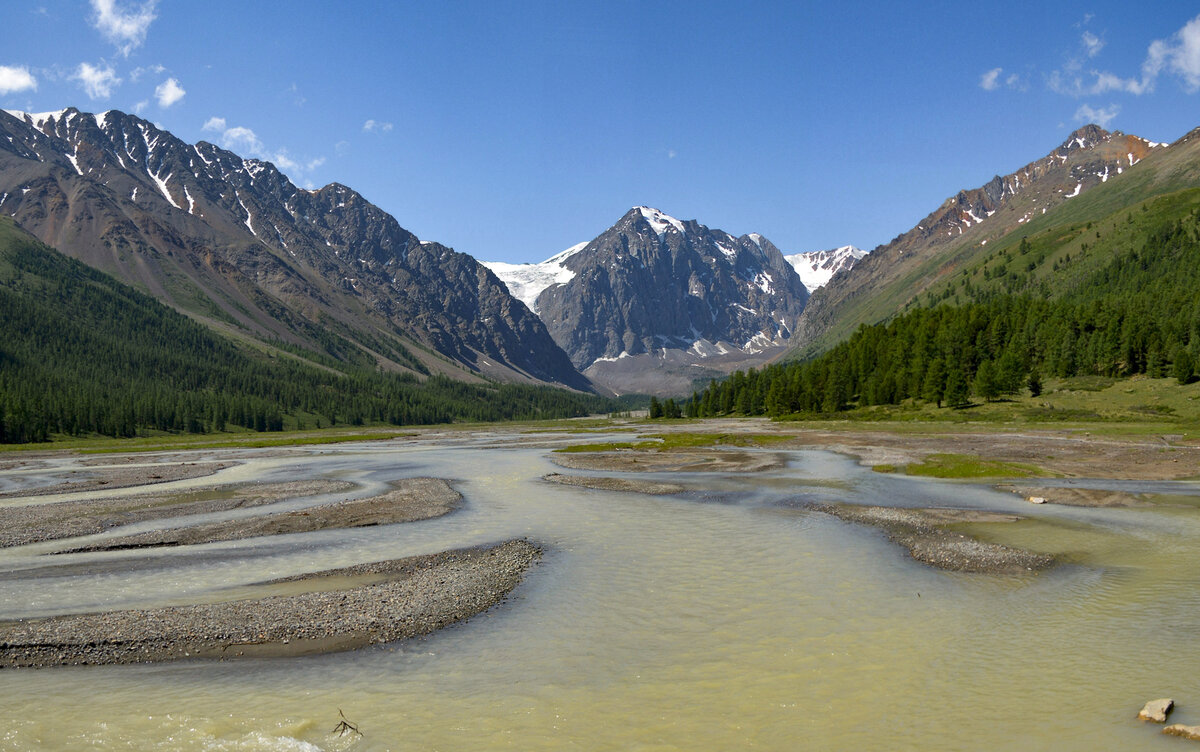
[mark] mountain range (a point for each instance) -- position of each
(654, 303)
(235, 244)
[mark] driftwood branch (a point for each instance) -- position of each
(345, 727)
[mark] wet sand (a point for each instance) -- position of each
(106, 476)
(410, 499)
(671, 460)
(1076, 497)
(1064, 453)
(601, 483)
(924, 533)
(417, 595)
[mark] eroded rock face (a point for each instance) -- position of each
(1156, 710)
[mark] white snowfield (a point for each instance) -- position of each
(526, 282)
(816, 268)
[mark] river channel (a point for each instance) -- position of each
(727, 617)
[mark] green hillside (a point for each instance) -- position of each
(921, 281)
(85, 354)
(1113, 295)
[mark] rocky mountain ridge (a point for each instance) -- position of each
(655, 302)
(896, 272)
(234, 242)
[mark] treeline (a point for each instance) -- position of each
(1138, 314)
(84, 354)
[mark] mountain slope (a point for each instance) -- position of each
(893, 275)
(84, 353)
(235, 243)
(654, 303)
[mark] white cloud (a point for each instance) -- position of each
(341, 148)
(990, 81)
(242, 139)
(14, 79)
(1101, 117)
(97, 82)
(376, 125)
(168, 93)
(141, 107)
(138, 72)
(124, 27)
(1179, 54)
(247, 143)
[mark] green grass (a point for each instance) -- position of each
(1133, 406)
(966, 466)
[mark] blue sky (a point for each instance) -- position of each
(512, 130)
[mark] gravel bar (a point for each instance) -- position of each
(68, 519)
(601, 483)
(114, 476)
(410, 500)
(922, 532)
(418, 595)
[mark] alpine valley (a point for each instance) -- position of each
(651, 305)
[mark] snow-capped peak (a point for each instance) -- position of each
(659, 221)
(37, 118)
(526, 282)
(756, 238)
(816, 268)
(562, 256)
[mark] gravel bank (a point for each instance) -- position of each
(68, 519)
(1078, 497)
(411, 499)
(108, 476)
(923, 533)
(615, 484)
(671, 461)
(418, 595)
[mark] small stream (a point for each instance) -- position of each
(723, 618)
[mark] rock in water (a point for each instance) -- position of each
(1187, 732)
(1156, 710)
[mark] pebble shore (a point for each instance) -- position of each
(404, 598)
(922, 532)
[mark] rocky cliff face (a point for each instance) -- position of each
(653, 293)
(884, 280)
(233, 241)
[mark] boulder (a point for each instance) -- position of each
(1156, 710)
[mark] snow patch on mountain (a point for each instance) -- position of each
(526, 282)
(660, 221)
(816, 268)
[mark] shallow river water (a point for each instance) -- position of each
(722, 619)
